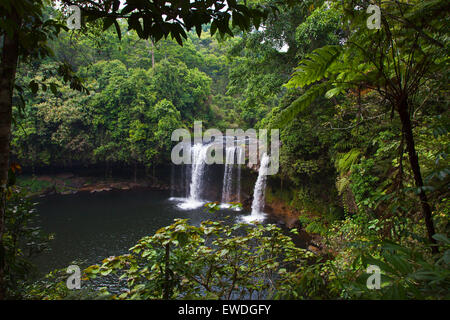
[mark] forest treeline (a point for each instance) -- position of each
(363, 117)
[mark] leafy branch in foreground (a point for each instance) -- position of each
(213, 260)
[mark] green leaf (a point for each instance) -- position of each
(315, 66)
(441, 238)
(300, 105)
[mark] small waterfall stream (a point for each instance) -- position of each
(259, 191)
(238, 182)
(197, 169)
(228, 175)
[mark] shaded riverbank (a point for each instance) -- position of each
(68, 183)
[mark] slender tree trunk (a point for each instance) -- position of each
(9, 58)
(414, 162)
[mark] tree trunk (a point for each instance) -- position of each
(9, 58)
(414, 162)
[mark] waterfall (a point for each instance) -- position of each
(197, 169)
(193, 176)
(258, 193)
(228, 174)
(238, 182)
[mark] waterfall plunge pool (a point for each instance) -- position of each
(90, 227)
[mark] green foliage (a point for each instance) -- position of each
(313, 225)
(53, 287)
(212, 261)
(300, 105)
(22, 241)
(315, 66)
(343, 149)
(32, 185)
(187, 89)
(407, 273)
(345, 161)
(363, 183)
(322, 26)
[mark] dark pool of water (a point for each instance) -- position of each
(90, 227)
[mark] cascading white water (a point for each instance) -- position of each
(238, 182)
(258, 193)
(198, 154)
(228, 174)
(193, 175)
(198, 168)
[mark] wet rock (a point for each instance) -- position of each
(247, 203)
(101, 190)
(314, 249)
(68, 192)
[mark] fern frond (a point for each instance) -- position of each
(300, 105)
(342, 183)
(315, 66)
(344, 161)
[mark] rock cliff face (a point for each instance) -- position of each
(278, 208)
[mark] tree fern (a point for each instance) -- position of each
(315, 66)
(300, 105)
